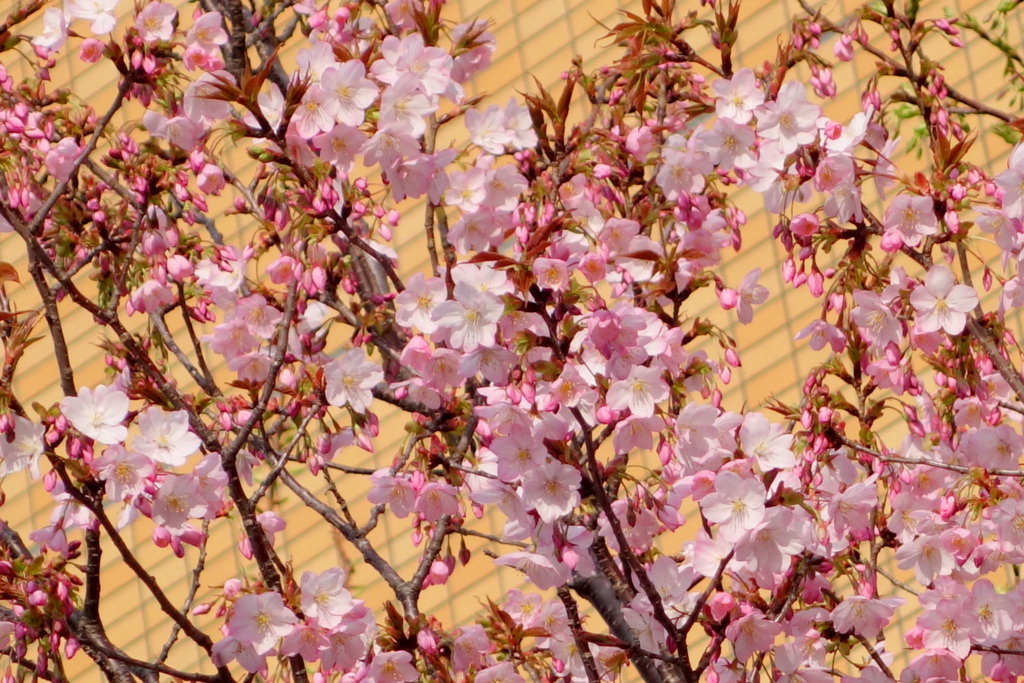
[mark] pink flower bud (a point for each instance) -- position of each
(804, 225)
(232, 587)
(915, 638)
(286, 380)
(720, 604)
(179, 268)
(211, 179)
(891, 241)
(161, 537)
(952, 219)
(91, 50)
(788, 270)
(816, 283)
(427, 642)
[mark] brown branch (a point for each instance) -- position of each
(283, 458)
(192, 590)
(410, 592)
(577, 634)
(203, 379)
(938, 464)
(253, 531)
(101, 126)
(53, 321)
(361, 543)
(200, 638)
(629, 557)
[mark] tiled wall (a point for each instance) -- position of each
(537, 37)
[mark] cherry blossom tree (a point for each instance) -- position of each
(547, 365)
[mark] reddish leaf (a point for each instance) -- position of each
(498, 260)
(643, 255)
(8, 273)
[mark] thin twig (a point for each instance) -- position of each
(192, 590)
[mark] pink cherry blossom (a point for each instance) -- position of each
(260, 620)
(766, 442)
(306, 640)
(751, 633)
(1011, 182)
(502, 672)
(738, 97)
(406, 103)
(640, 391)
(55, 30)
(176, 502)
(352, 91)
(947, 626)
(99, 12)
(392, 667)
(517, 453)
(552, 490)
(409, 55)
(736, 506)
(875, 321)
(316, 113)
(910, 218)
(201, 104)
(790, 120)
(350, 380)
(941, 303)
(98, 413)
(156, 21)
(340, 145)
(471, 317)
(325, 598)
(770, 546)
(646, 629)
(125, 472)
(487, 129)
(544, 572)
(24, 449)
(730, 144)
(60, 160)
(436, 499)
(821, 333)
(150, 297)
(864, 616)
(392, 142)
(750, 294)
(469, 647)
(165, 437)
(208, 31)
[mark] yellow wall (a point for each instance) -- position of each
(536, 37)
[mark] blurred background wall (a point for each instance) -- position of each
(535, 38)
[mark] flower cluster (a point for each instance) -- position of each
(562, 403)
